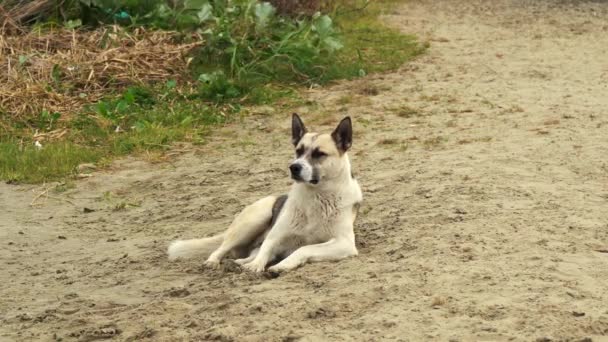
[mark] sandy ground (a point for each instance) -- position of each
(485, 174)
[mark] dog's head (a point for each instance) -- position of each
(319, 157)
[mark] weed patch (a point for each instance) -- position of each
(232, 54)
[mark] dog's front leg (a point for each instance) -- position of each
(332, 250)
(267, 252)
(250, 258)
(271, 246)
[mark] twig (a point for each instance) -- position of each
(46, 190)
(61, 199)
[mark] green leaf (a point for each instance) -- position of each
(212, 77)
(205, 13)
(22, 59)
(232, 92)
(186, 21)
(171, 84)
(332, 44)
(195, 4)
(102, 108)
(162, 11)
(140, 126)
(187, 121)
(129, 96)
(56, 73)
(122, 106)
(323, 26)
(263, 14)
(205, 78)
(72, 24)
(44, 115)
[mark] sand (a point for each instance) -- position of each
(484, 166)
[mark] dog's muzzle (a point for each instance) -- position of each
(303, 172)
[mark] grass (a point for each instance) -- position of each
(344, 100)
(388, 141)
(33, 165)
(146, 118)
(407, 112)
(433, 143)
(369, 45)
(99, 135)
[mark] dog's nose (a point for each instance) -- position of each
(295, 169)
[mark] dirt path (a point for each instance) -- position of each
(485, 172)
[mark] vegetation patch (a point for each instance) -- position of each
(85, 81)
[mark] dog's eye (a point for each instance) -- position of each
(299, 152)
(318, 154)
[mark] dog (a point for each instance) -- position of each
(314, 222)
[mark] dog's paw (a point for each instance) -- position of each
(278, 268)
(213, 264)
(254, 267)
(242, 261)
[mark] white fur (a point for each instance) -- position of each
(315, 224)
(192, 248)
(306, 172)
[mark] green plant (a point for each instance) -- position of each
(246, 43)
(251, 45)
(47, 119)
(251, 56)
(217, 87)
(117, 110)
(27, 163)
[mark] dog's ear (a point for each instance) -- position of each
(297, 129)
(343, 135)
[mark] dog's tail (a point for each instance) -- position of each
(183, 249)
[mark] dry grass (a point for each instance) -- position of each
(388, 141)
(13, 13)
(407, 112)
(433, 143)
(61, 70)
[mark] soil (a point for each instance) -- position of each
(485, 175)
